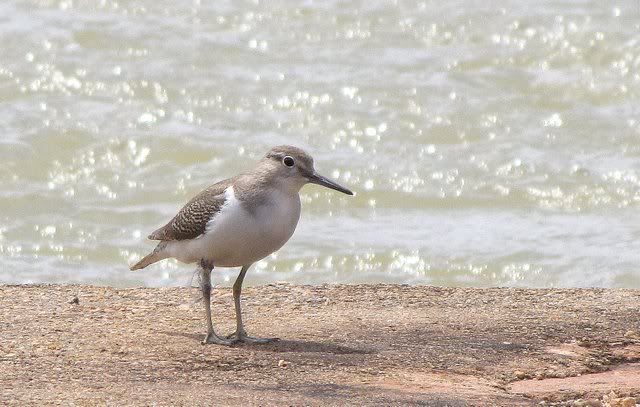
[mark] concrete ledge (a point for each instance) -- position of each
(346, 344)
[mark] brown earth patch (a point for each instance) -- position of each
(623, 379)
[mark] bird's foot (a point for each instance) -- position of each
(243, 337)
(211, 337)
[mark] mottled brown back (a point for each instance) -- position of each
(191, 221)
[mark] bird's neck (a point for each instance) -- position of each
(257, 191)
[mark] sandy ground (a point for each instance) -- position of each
(358, 344)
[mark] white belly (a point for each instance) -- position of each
(236, 237)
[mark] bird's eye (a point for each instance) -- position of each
(288, 161)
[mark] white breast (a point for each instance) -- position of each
(237, 237)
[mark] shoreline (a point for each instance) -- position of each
(358, 344)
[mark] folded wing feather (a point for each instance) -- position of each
(191, 221)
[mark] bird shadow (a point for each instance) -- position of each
(284, 345)
(198, 337)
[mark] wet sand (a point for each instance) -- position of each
(340, 344)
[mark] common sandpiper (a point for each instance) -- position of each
(236, 222)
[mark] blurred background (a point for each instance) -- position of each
(490, 143)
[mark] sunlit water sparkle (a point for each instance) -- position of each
(489, 143)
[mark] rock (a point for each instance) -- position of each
(623, 402)
(75, 300)
(629, 402)
(519, 374)
(282, 363)
(631, 334)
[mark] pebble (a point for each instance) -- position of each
(282, 363)
(54, 346)
(519, 374)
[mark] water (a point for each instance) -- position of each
(490, 143)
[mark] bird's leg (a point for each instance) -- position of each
(240, 334)
(205, 286)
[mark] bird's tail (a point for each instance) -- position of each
(156, 255)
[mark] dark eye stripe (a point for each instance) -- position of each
(288, 161)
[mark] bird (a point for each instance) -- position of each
(236, 222)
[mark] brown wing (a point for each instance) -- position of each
(192, 219)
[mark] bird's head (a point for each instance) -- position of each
(294, 167)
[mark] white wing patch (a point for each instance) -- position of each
(230, 202)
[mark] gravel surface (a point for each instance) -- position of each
(353, 344)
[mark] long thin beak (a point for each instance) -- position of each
(316, 178)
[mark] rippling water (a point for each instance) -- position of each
(490, 143)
